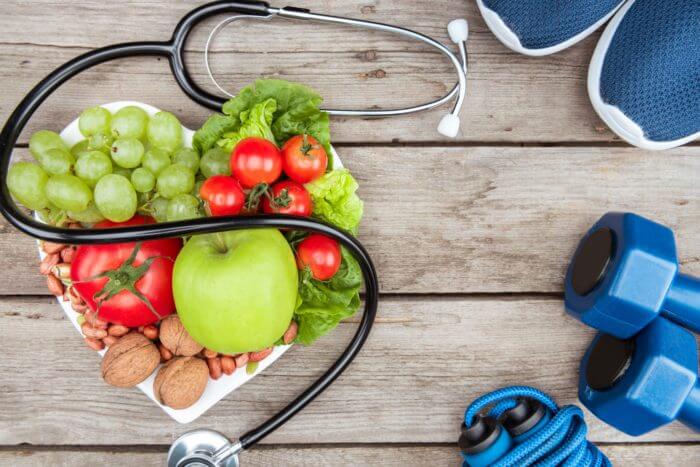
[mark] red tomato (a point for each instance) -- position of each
(108, 295)
(223, 195)
(304, 158)
(321, 254)
(254, 161)
(288, 197)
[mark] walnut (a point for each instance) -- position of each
(175, 338)
(130, 361)
(181, 382)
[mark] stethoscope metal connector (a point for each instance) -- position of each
(203, 448)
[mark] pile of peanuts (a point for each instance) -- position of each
(100, 334)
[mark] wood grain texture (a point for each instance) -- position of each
(485, 219)
(399, 456)
(423, 363)
(512, 98)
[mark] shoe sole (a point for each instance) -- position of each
(613, 117)
(506, 35)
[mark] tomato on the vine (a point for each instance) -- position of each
(223, 195)
(255, 161)
(321, 255)
(127, 283)
(288, 197)
(304, 158)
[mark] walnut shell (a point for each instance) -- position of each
(181, 382)
(130, 361)
(176, 339)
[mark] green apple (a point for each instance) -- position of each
(236, 291)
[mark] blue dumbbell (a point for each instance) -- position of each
(488, 439)
(624, 274)
(640, 384)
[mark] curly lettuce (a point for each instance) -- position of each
(336, 201)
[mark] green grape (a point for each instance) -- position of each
(94, 120)
(165, 132)
(187, 157)
(130, 122)
(92, 167)
(115, 198)
(122, 171)
(68, 192)
(143, 180)
(80, 148)
(27, 183)
(183, 207)
(127, 152)
(91, 215)
(41, 141)
(197, 187)
(159, 208)
(155, 160)
(174, 180)
(215, 161)
(57, 161)
(100, 142)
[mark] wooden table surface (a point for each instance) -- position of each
(471, 237)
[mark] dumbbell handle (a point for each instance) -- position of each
(690, 412)
(682, 304)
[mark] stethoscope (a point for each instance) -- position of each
(206, 447)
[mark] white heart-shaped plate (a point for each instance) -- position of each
(215, 390)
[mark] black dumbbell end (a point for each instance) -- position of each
(591, 263)
(608, 361)
(523, 417)
(480, 436)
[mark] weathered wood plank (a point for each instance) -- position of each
(512, 98)
(427, 351)
(437, 456)
(487, 219)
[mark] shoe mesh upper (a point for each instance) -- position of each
(651, 70)
(545, 23)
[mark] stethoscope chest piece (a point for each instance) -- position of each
(203, 448)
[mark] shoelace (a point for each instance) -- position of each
(562, 441)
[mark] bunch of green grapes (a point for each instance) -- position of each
(128, 162)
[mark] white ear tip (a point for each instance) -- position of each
(449, 126)
(459, 30)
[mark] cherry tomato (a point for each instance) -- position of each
(321, 254)
(254, 161)
(288, 197)
(304, 158)
(223, 195)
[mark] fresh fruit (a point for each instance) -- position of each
(43, 140)
(91, 167)
(100, 142)
(164, 131)
(143, 180)
(254, 161)
(304, 158)
(95, 120)
(80, 148)
(127, 283)
(182, 207)
(288, 197)
(187, 157)
(27, 183)
(57, 161)
(90, 215)
(155, 160)
(236, 291)
(159, 209)
(127, 152)
(215, 161)
(174, 180)
(320, 254)
(68, 192)
(130, 122)
(223, 195)
(115, 197)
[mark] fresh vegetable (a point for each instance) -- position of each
(320, 254)
(236, 291)
(305, 159)
(288, 197)
(255, 161)
(336, 201)
(254, 123)
(127, 283)
(223, 195)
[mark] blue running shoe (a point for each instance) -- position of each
(644, 78)
(542, 27)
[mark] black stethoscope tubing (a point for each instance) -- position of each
(174, 50)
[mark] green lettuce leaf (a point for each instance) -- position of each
(322, 305)
(336, 201)
(254, 122)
